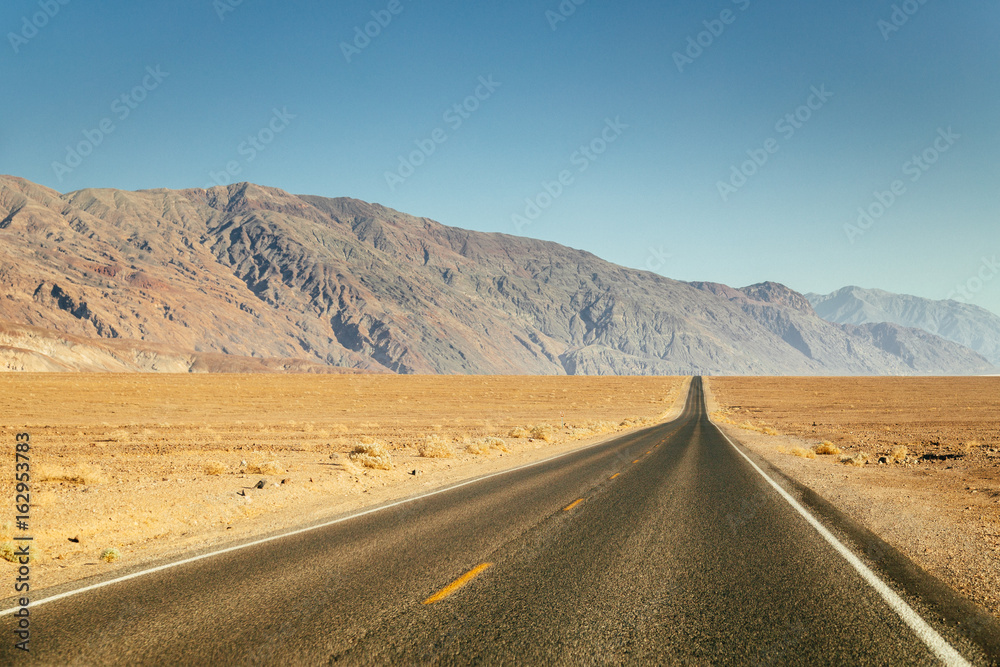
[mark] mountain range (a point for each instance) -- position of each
(963, 323)
(245, 277)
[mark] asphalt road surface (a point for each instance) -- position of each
(664, 546)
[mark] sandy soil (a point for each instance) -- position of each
(939, 502)
(157, 465)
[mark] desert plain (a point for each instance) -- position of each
(131, 469)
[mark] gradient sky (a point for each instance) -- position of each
(649, 200)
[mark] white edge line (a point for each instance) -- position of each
(246, 545)
(935, 642)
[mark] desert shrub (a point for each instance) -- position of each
(858, 460)
(110, 555)
(265, 468)
(436, 447)
(543, 432)
(479, 448)
(767, 430)
(83, 473)
(803, 452)
(519, 432)
(827, 447)
(483, 446)
(372, 455)
(496, 443)
(7, 551)
(899, 454)
(214, 468)
(720, 418)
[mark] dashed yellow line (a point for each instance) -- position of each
(636, 461)
(572, 504)
(615, 475)
(458, 583)
(650, 451)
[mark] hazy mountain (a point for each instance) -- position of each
(256, 272)
(968, 325)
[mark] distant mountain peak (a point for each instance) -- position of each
(962, 323)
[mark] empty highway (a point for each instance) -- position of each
(663, 546)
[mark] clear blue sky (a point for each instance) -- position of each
(655, 187)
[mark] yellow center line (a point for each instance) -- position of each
(636, 461)
(572, 505)
(650, 451)
(458, 583)
(615, 475)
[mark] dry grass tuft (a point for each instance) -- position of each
(827, 447)
(265, 468)
(719, 417)
(762, 428)
(519, 432)
(544, 432)
(214, 468)
(7, 551)
(479, 448)
(110, 555)
(436, 447)
(803, 452)
(496, 443)
(858, 460)
(83, 473)
(899, 454)
(484, 446)
(372, 455)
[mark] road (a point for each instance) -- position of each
(663, 546)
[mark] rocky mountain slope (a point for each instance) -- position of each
(35, 350)
(962, 323)
(256, 272)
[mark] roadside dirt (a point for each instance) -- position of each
(157, 465)
(938, 501)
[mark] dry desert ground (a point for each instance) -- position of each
(134, 468)
(916, 460)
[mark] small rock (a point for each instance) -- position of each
(243, 463)
(75, 540)
(310, 480)
(261, 484)
(882, 460)
(286, 481)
